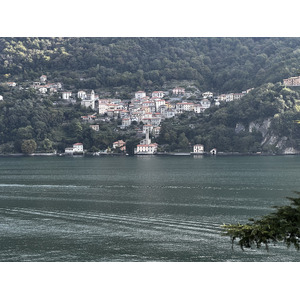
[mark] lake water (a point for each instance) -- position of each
(145, 208)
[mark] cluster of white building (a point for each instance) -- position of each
(43, 86)
(150, 110)
(231, 96)
(146, 147)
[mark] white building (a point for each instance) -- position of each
(156, 130)
(178, 91)
(95, 127)
(169, 113)
(126, 122)
(92, 95)
(226, 97)
(69, 151)
(82, 95)
(77, 149)
(120, 144)
(43, 78)
(158, 94)
(221, 97)
(198, 108)
(58, 85)
(102, 108)
(43, 90)
(88, 103)
(140, 94)
(238, 96)
(205, 103)
(1, 98)
(198, 149)
(36, 84)
(292, 81)
(12, 84)
(229, 97)
(184, 106)
(158, 103)
(213, 151)
(66, 95)
(207, 95)
(147, 128)
(89, 100)
(146, 147)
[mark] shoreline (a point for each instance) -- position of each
(177, 154)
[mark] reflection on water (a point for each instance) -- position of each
(138, 208)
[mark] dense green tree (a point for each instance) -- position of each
(183, 142)
(219, 64)
(131, 143)
(47, 145)
(28, 146)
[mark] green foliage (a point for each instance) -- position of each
(217, 64)
(128, 64)
(280, 226)
(216, 128)
(183, 142)
(28, 146)
(47, 145)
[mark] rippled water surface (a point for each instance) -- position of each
(138, 208)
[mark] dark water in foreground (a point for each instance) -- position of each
(138, 208)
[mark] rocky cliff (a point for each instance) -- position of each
(270, 140)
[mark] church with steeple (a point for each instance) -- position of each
(145, 146)
(88, 100)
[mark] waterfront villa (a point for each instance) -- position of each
(120, 144)
(145, 146)
(146, 149)
(76, 149)
(198, 148)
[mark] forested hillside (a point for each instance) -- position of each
(265, 120)
(26, 117)
(216, 64)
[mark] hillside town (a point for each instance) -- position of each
(146, 109)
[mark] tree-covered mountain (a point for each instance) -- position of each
(25, 116)
(265, 120)
(216, 64)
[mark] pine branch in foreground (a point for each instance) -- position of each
(281, 226)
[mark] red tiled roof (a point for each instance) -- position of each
(147, 145)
